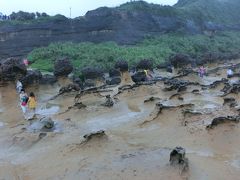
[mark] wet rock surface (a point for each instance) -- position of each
(97, 134)
(144, 124)
(177, 158)
(108, 101)
(69, 88)
(114, 81)
(222, 120)
(48, 79)
(32, 77)
(139, 77)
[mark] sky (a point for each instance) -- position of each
(53, 7)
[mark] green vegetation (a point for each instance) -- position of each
(158, 49)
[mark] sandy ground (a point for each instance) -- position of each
(137, 142)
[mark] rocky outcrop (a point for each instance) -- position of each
(139, 77)
(69, 88)
(62, 67)
(121, 65)
(92, 73)
(145, 65)
(177, 158)
(114, 73)
(48, 79)
(11, 69)
(108, 101)
(114, 81)
(180, 60)
(221, 120)
(32, 76)
(127, 24)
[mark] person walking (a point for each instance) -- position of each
(32, 103)
(201, 71)
(23, 101)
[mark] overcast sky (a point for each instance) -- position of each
(52, 7)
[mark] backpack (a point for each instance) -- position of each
(24, 101)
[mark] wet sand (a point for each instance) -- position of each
(137, 146)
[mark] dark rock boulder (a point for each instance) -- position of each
(121, 65)
(177, 158)
(32, 76)
(63, 67)
(139, 77)
(47, 123)
(48, 79)
(175, 84)
(11, 69)
(92, 73)
(230, 101)
(114, 73)
(97, 134)
(114, 81)
(108, 101)
(221, 120)
(89, 83)
(180, 60)
(69, 88)
(145, 64)
(164, 65)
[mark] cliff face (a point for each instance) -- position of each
(126, 24)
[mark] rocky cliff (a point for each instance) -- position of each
(126, 24)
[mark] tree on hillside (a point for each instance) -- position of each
(22, 16)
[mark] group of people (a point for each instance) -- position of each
(28, 103)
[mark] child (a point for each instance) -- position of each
(23, 101)
(19, 86)
(32, 103)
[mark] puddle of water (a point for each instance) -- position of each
(48, 111)
(37, 126)
(236, 163)
(1, 124)
(105, 122)
(203, 153)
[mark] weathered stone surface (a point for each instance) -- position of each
(221, 120)
(32, 76)
(63, 67)
(48, 79)
(121, 65)
(11, 69)
(139, 77)
(177, 157)
(106, 24)
(69, 88)
(145, 64)
(47, 122)
(175, 84)
(108, 101)
(92, 73)
(97, 134)
(114, 81)
(114, 73)
(180, 60)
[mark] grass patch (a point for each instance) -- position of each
(157, 49)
